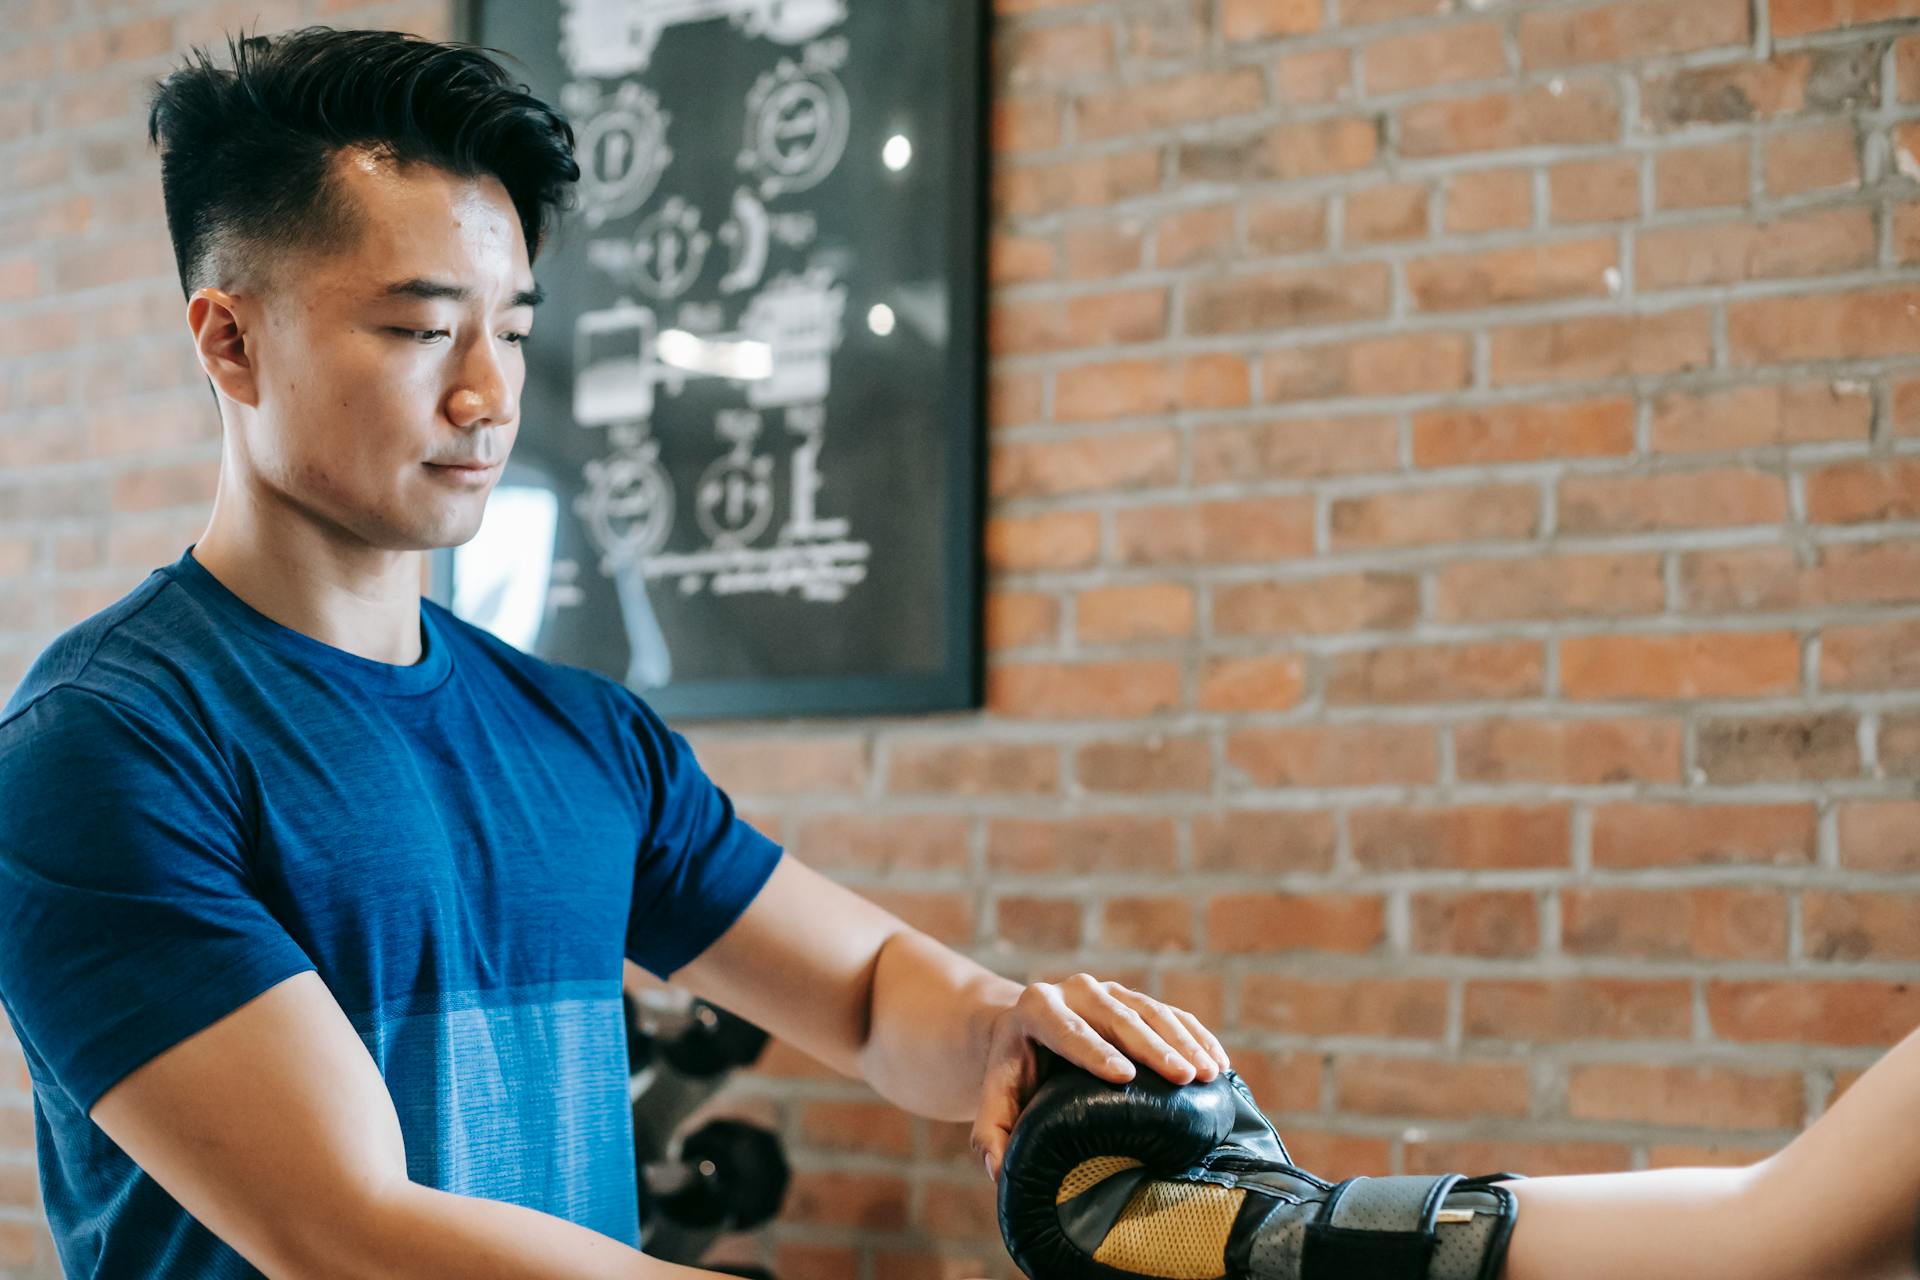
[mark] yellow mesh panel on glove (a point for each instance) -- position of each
(1170, 1230)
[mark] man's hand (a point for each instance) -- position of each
(1093, 1024)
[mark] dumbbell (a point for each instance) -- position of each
(729, 1176)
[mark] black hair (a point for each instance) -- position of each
(246, 151)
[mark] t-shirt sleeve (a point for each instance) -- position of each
(700, 863)
(131, 922)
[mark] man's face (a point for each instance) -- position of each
(382, 368)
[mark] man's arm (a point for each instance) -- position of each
(854, 986)
(274, 1128)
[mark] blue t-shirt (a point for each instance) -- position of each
(197, 803)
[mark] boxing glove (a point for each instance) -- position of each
(1152, 1179)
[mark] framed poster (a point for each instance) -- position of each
(748, 477)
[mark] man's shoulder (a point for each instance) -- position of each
(112, 655)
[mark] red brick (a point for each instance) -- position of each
(1286, 226)
(1533, 273)
(1731, 664)
(1422, 1087)
(1437, 673)
(1082, 691)
(1360, 13)
(1252, 683)
(1540, 1159)
(972, 768)
(1019, 259)
(1158, 763)
(1578, 1009)
(1090, 320)
(1802, 17)
(1825, 242)
(785, 766)
(1855, 492)
(1861, 926)
(1498, 923)
(1906, 65)
(1686, 1097)
(1095, 252)
(877, 1128)
(828, 1198)
(1029, 123)
(1802, 747)
(1399, 365)
(1574, 752)
(1015, 619)
(1147, 924)
(1455, 437)
(1378, 215)
(1321, 606)
(157, 486)
(1281, 299)
(1262, 841)
(1194, 235)
(1884, 835)
(1337, 755)
(1031, 190)
(1038, 924)
(1165, 103)
(1823, 157)
(1631, 30)
(1750, 417)
(1740, 92)
(1701, 177)
(1465, 837)
(1109, 462)
(1602, 347)
(1582, 111)
(1421, 517)
(1600, 504)
(1014, 399)
(1434, 56)
(1774, 578)
(1291, 448)
(1110, 844)
(1266, 923)
(1393, 1008)
(97, 46)
(1316, 76)
(1137, 388)
(1302, 149)
(1665, 835)
(1830, 326)
(1215, 532)
(1059, 540)
(1824, 1013)
(1282, 1082)
(1048, 54)
(1606, 189)
(1148, 611)
(1597, 586)
(1263, 19)
(1871, 657)
(883, 844)
(1660, 924)
(1490, 200)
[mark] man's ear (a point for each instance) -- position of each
(213, 318)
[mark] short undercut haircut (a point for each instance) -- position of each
(246, 150)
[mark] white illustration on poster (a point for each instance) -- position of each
(734, 500)
(799, 319)
(622, 148)
(668, 250)
(618, 37)
(748, 233)
(797, 121)
(616, 365)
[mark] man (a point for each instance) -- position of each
(318, 898)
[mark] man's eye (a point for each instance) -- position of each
(518, 339)
(418, 334)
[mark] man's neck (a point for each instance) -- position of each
(363, 600)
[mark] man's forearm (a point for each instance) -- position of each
(930, 1015)
(416, 1233)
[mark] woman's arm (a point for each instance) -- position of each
(1843, 1199)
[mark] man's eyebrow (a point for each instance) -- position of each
(434, 290)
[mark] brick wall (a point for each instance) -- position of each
(1455, 541)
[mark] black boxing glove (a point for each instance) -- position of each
(1171, 1182)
